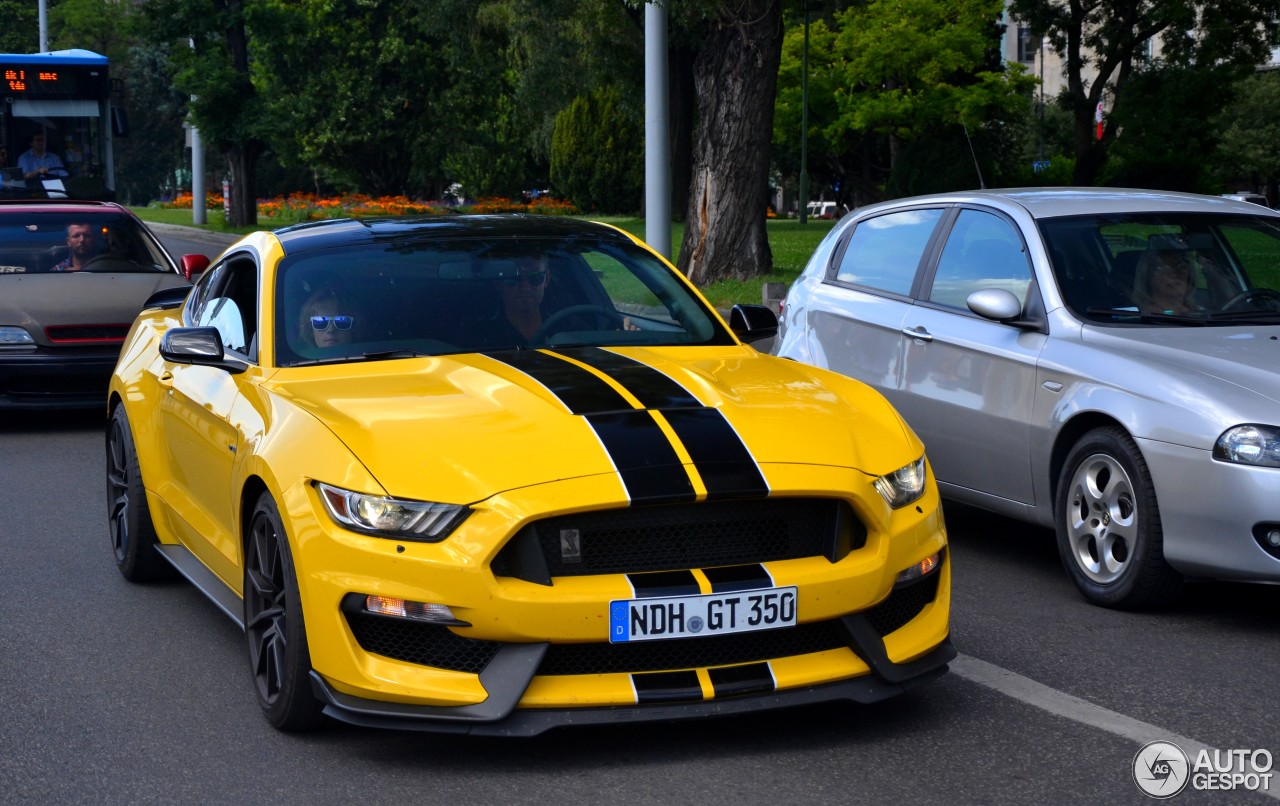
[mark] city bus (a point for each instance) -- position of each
(65, 96)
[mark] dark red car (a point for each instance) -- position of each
(73, 276)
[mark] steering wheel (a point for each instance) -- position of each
(107, 262)
(550, 325)
(1266, 294)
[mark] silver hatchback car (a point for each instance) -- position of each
(1104, 362)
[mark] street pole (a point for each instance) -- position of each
(44, 28)
(657, 147)
(197, 178)
(804, 122)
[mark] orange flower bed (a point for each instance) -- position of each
(310, 207)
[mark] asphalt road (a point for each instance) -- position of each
(112, 692)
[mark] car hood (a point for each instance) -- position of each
(38, 301)
(465, 427)
(1246, 357)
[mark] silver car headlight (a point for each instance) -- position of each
(397, 518)
(10, 336)
(902, 486)
(1257, 445)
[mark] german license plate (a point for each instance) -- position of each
(695, 616)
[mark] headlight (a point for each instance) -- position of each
(1257, 445)
(903, 485)
(391, 517)
(14, 335)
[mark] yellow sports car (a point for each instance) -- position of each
(499, 474)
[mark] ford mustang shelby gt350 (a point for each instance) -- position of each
(500, 474)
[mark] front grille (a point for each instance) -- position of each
(903, 604)
(72, 334)
(692, 653)
(681, 536)
(424, 644)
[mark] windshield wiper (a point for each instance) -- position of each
(1151, 318)
(379, 355)
(1244, 316)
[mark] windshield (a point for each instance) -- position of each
(64, 242)
(1167, 268)
(440, 296)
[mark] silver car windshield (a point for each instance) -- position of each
(463, 295)
(1167, 269)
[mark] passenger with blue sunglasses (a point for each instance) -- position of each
(327, 320)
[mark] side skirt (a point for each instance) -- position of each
(205, 581)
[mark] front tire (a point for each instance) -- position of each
(1108, 526)
(133, 535)
(279, 658)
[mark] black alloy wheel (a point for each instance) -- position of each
(278, 655)
(133, 535)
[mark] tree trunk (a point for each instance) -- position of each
(243, 163)
(736, 76)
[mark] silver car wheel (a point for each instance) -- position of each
(1102, 518)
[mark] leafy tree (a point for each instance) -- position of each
(149, 159)
(102, 26)
(210, 48)
(1249, 130)
(1104, 44)
(1167, 141)
(828, 159)
(20, 32)
(354, 89)
(910, 68)
(597, 154)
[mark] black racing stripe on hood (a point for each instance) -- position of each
(650, 468)
(726, 466)
(753, 678)
(651, 387)
(578, 389)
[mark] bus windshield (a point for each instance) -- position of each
(56, 126)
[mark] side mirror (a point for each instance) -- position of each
(995, 303)
(168, 297)
(753, 322)
(193, 266)
(199, 346)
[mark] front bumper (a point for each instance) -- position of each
(513, 670)
(1212, 513)
(43, 378)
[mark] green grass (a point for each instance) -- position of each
(790, 242)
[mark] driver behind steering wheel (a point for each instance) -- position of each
(82, 239)
(521, 293)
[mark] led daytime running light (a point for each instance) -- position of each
(391, 517)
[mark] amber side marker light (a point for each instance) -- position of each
(920, 570)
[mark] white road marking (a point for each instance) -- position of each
(1065, 705)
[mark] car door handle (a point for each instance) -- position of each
(919, 332)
